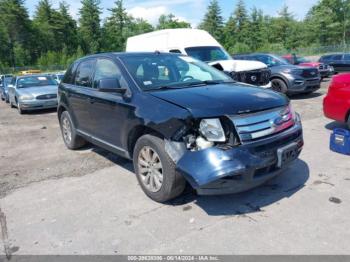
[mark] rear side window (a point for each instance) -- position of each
(347, 57)
(337, 57)
(84, 73)
(69, 76)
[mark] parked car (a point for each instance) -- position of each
(57, 76)
(33, 92)
(5, 80)
(336, 105)
(286, 78)
(202, 46)
(324, 69)
(340, 62)
(179, 120)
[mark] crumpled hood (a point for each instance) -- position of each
(222, 99)
(239, 65)
(37, 91)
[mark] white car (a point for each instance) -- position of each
(201, 45)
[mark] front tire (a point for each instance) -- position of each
(155, 171)
(20, 110)
(70, 137)
(279, 85)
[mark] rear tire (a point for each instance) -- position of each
(155, 170)
(70, 137)
(279, 85)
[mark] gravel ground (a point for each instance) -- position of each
(32, 149)
(59, 202)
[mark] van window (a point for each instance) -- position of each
(175, 51)
(208, 53)
(84, 73)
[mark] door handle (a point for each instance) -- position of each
(91, 100)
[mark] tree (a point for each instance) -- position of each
(170, 21)
(66, 27)
(257, 30)
(90, 29)
(17, 29)
(116, 27)
(213, 21)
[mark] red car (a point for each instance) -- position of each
(336, 105)
(324, 69)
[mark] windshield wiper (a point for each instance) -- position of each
(190, 84)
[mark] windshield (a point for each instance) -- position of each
(271, 60)
(208, 53)
(156, 71)
(35, 81)
(8, 80)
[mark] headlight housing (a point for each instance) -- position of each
(212, 130)
(26, 97)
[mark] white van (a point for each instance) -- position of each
(201, 45)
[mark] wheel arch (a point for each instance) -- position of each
(136, 133)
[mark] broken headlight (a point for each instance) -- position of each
(212, 130)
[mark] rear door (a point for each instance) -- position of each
(81, 96)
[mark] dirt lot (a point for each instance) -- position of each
(32, 149)
(88, 202)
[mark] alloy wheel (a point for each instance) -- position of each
(150, 169)
(276, 86)
(66, 130)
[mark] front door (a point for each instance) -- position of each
(110, 110)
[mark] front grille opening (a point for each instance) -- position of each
(261, 172)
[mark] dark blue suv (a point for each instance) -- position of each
(179, 120)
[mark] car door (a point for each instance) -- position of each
(337, 62)
(110, 110)
(346, 62)
(12, 90)
(80, 96)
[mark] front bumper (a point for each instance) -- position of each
(302, 85)
(38, 104)
(217, 171)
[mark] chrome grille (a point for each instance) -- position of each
(251, 127)
(46, 97)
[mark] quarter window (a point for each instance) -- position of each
(84, 73)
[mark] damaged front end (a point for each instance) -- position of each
(232, 154)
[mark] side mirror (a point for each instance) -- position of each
(110, 85)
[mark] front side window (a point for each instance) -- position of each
(208, 53)
(156, 71)
(271, 60)
(106, 68)
(35, 81)
(84, 73)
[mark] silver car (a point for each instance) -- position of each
(33, 92)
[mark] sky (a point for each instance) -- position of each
(191, 11)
